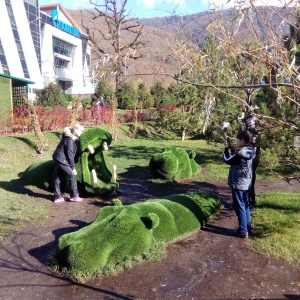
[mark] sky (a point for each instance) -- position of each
(161, 8)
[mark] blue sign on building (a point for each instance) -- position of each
(63, 26)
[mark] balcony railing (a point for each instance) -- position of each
(64, 74)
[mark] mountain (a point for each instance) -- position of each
(159, 36)
(195, 26)
(155, 54)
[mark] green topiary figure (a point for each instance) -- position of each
(120, 233)
(93, 175)
(173, 163)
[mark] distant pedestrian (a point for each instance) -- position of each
(63, 157)
(240, 179)
(102, 103)
(97, 112)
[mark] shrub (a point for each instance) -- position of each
(52, 95)
(21, 118)
(53, 118)
(105, 90)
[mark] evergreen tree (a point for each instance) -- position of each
(144, 97)
(52, 95)
(255, 76)
(181, 114)
(126, 95)
(104, 89)
(158, 93)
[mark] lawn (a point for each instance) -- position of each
(277, 226)
(19, 205)
(276, 220)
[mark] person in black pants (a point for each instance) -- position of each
(63, 157)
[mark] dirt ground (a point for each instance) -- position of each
(211, 264)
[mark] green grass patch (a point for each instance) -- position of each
(277, 225)
(16, 210)
(18, 204)
(132, 156)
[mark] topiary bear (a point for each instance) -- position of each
(120, 233)
(93, 175)
(173, 163)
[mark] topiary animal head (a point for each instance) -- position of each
(122, 233)
(92, 173)
(173, 163)
(93, 176)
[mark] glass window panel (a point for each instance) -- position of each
(62, 47)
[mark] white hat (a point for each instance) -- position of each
(78, 129)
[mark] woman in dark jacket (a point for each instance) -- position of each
(63, 157)
(240, 179)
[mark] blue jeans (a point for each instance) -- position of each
(242, 209)
(60, 173)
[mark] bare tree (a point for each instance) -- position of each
(113, 23)
(41, 140)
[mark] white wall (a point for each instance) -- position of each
(48, 58)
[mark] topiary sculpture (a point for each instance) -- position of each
(93, 176)
(120, 233)
(173, 163)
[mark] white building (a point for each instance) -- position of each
(39, 45)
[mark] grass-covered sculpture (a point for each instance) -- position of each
(93, 176)
(123, 234)
(173, 163)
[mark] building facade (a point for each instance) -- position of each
(39, 45)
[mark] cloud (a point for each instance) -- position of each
(149, 3)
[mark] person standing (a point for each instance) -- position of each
(96, 111)
(63, 157)
(240, 179)
(102, 103)
(249, 123)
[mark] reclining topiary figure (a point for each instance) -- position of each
(123, 233)
(93, 176)
(173, 163)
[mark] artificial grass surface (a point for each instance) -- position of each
(40, 173)
(173, 163)
(120, 233)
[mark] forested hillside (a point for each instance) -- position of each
(155, 55)
(195, 27)
(160, 33)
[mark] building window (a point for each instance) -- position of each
(3, 60)
(17, 38)
(61, 63)
(33, 16)
(62, 47)
(84, 51)
(32, 2)
(88, 61)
